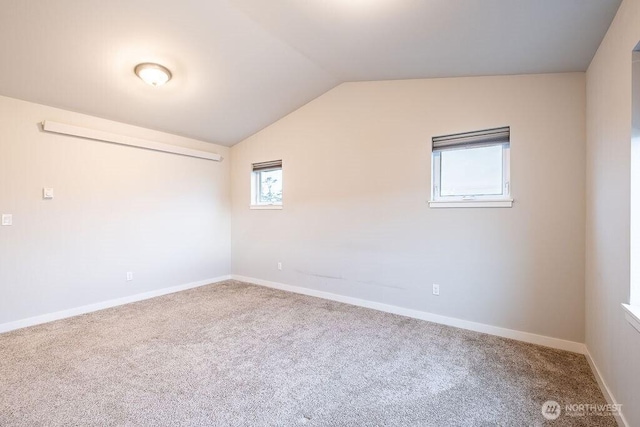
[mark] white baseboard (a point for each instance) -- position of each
(605, 389)
(50, 317)
(558, 343)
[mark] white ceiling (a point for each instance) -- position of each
(240, 65)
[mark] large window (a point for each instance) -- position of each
(633, 308)
(471, 167)
(266, 184)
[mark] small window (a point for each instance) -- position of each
(266, 184)
(471, 167)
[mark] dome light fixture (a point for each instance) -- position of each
(153, 74)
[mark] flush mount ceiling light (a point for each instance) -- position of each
(153, 74)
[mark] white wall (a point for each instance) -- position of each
(613, 343)
(116, 209)
(356, 183)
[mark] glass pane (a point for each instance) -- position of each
(270, 187)
(471, 172)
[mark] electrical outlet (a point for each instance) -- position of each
(47, 193)
(129, 276)
(436, 289)
(7, 219)
(280, 266)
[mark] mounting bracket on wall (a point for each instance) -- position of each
(98, 135)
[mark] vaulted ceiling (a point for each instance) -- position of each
(240, 65)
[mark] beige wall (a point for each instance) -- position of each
(116, 209)
(356, 183)
(613, 343)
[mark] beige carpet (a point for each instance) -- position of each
(234, 354)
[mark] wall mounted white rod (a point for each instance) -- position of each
(131, 141)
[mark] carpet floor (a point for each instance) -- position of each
(233, 354)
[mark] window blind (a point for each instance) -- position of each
(265, 166)
(477, 138)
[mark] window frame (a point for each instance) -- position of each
(437, 176)
(256, 188)
(632, 309)
(483, 200)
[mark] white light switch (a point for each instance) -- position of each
(7, 219)
(47, 193)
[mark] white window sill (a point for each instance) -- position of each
(502, 203)
(266, 207)
(632, 313)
